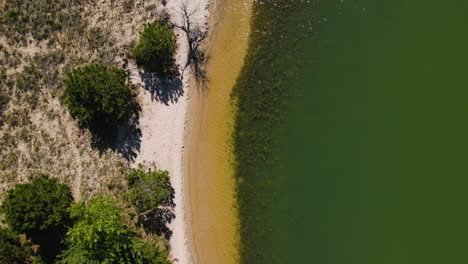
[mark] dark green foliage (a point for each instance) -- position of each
(152, 195)
(150, 254)
(37, 206)
(148, 190)
(100, 236)
(99, 96)
(39, 209)
(15, 251)
(156, 48)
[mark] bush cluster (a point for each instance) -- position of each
(99, 96)
(100, 236)
(148, 190)
(156, 48)
(84, 232)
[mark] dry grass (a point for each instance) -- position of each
(39, 40)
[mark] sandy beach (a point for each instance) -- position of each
(171, 121)
(209, 174)
(163, 125)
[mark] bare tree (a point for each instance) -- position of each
(196, 55)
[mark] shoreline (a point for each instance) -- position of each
(212, 216)
(170, 133)
(163, 127)
(195, 107)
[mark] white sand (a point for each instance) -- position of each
(163, 127)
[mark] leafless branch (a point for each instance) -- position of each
(196, 58)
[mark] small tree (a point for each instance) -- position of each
(152, 195)
(100, 236)
(99, 96)
(149, 190)
(156, 48)
(39, 209)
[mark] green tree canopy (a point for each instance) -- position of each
(37, 206)
(15, 251)
(148, 190)
(99, 233)
(39, 209)
(99, 96)
(156, 48)
(100, 236)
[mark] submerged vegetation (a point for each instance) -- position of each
(262, 94)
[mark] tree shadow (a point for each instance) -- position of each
(156, 221)
(165, 90)
(124, 138)
(51, 242)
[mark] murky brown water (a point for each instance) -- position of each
(213, 214)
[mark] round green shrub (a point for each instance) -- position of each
(41, 205)
(99, 96)
(156, 48)
(40, 210)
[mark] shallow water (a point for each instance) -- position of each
(370, 164)
(211, 180)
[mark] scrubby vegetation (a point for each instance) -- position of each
(40, 18)
(3, 102)
(39, 42)
(99, 96)
(44, 49)
(156, 48)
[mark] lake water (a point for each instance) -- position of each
(366, 158)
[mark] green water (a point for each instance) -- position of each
(352, 136)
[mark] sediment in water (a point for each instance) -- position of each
(209, 172)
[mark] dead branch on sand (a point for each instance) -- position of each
(196, 54)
